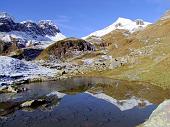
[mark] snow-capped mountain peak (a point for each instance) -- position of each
(121, 23)
(5, 15)
(45, 23)
(27, 21)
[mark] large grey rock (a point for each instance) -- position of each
(139, 22)
(118, 62)
(160, 117)
(33, 103)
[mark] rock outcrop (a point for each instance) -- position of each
(26, 53)
(166, 16)
(160, 117)
(65, 49)
(139, 22)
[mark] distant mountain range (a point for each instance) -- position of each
(28, 32)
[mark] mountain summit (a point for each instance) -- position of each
(121, 23)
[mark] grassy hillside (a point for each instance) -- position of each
(150, 51)
(120, 42)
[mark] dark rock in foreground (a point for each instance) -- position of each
(27, 53)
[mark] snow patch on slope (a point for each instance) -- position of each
(27, 39)
(57, 37)
(121, 23)
(11, 69)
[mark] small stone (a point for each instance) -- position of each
(11, 89)
(27, 103)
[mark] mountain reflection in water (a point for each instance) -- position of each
(87, 102)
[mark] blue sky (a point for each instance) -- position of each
(81, 17)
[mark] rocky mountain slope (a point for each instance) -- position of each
(7, 47)
(142, 55)
(166, 15)
(28, 33)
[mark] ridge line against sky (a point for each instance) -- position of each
(79, 18)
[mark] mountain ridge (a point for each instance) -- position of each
(27, 32)
(121, 23)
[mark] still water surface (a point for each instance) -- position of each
(89, 102)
